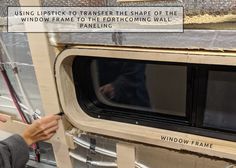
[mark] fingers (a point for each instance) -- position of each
(45, 126)
(3, 119)
(48, 131)
(42, 129)
(48, 127)
(46, 137)
(47, 134)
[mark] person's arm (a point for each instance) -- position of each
(14, 150)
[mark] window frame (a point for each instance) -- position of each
(135, 133)
(195, 104)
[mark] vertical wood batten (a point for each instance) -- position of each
(43, 57)
(125, 155)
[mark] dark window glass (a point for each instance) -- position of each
(138, 85)
(220, 110)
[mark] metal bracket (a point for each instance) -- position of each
(89, 162)
(92, 145)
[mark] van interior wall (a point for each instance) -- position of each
(17, 47)
(151, 156)
(164, 158)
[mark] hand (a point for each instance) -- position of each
(108, 91)
(3, 119)
(42, 129)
